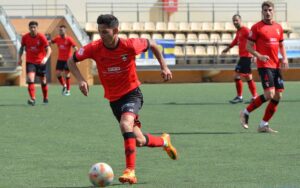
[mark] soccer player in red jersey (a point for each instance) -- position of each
(64, 44)
(243, 68)
(115, 59)
(267, 35)
(37, 54)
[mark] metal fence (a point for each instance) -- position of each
(188, 11)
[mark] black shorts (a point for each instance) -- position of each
(62, 65)
(271, 78)
(244, 65)
(132, 102)
(40, 70)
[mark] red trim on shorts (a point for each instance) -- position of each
(129, 113)
(269, 88)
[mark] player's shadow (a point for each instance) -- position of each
(13, 105)
(200, 132)
(196, 103)
(114, 184)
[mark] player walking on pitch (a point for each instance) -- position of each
(37, 54)
(64, 44)
(267, 35)
(243, 68)
(115, 59)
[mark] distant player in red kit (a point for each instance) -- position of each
(115, 59)
(243, 68)
(64, 44)
(267, 36)
(37, 54)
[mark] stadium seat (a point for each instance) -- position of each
(157, 36)
(138, 26)
(133, 35)
(178, 51)
(95, 36)
(234, 50)
(286, 26)
(145, 35)
(122, 35)
(211, 50)
(169, 36)
(203, 38)
(184, 26)
(215, 37)
(192, 38)
(180, 38)
(218, 27)
(91, 27)
(189, 51)
(294, 36)
(200, 51)
(149, 27)
(172, 26)
(226, 37)
(126, 27)
(207, 27)
(161, 26)
(229, 27)
(195, 27)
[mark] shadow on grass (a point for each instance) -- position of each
(196, 103)
(114, 184)
(201, 132)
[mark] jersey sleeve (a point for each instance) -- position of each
(139, 45)
(83, 53)
(72, 41)
(253, 33)
(234, 42)
(281, 38)
(44, 41)
(54, 40)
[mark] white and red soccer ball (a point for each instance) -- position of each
(101, 175)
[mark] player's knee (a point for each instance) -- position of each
(126, 126)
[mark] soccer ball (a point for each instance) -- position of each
(101, 175)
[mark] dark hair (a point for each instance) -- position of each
(268, 4)
(33, 23)
(237, 15)
(109, 20)
(62, 26)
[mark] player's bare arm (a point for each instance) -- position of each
(83, 85)
(165, 71)
(284, 63)
(20, 55)
(48, 53)
(250, 48)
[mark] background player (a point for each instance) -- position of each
(267, 35)
(37, 54)
(243, 68)
(115, 59)
(64, 44)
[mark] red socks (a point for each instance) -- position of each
(270, 110)
(45, 90)
(252, 88)
(153, 141)
(258, 101)
(68, 83)
(239, 87)
(31, 90)
(130, 149)
(61, 80)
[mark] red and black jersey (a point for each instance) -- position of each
(116, 67)
(64, 45)
(35, 47)
(267, 38)
(240, 39)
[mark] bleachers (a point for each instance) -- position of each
(195, 40)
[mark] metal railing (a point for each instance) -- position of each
(188, 11)
(48, 10)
